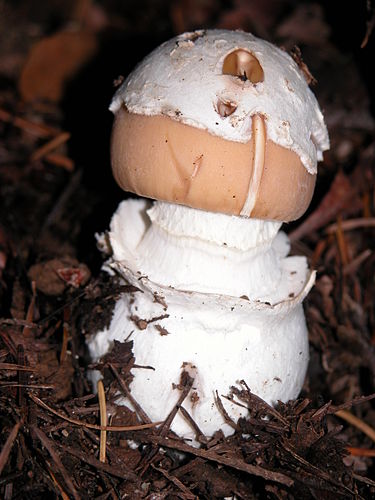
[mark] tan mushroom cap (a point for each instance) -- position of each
(161, 158)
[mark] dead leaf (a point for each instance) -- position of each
(53, 276)
(52, 62)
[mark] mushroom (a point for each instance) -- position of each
(222, 130)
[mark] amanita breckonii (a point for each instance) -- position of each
(222, 129)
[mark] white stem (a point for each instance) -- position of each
(223, 338)
(193, 250)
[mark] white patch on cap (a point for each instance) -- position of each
(183, 79)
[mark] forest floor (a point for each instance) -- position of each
(58, 67)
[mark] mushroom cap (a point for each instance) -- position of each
(160, 158)
(221, 121)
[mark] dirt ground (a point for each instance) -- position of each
(60, 62)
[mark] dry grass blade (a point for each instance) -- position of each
(64, 496)
(117, 428)
(356, 422)
(8, 446)
(103, 420)
(361, 452)
(343, 248)
(61, 161)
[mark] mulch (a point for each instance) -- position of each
(59, 65)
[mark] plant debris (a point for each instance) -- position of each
(58, 438)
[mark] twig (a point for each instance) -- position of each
(349, 224)
(59, 206)
(191, 421)
(12, 366)
(27, 386)
(140, 412)
(64, 345)
(224, 413)
(57, 311)
(348, 404)
(233, 462)
(188, 382)
(260, 402)
(11, 477)
(315, 470)
(356, 422)
(355, 263)
(22, 379)
(103, 420)
(363, 479)
(50, 146)
(49, 445)
(117, 428)
(8, 445)
(188, 495)
(38, 129)
(30, 311)
(122, 472)
(18, 322)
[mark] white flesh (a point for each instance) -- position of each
(194, 266)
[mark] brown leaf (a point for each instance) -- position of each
(52, 62)
(53, 276)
